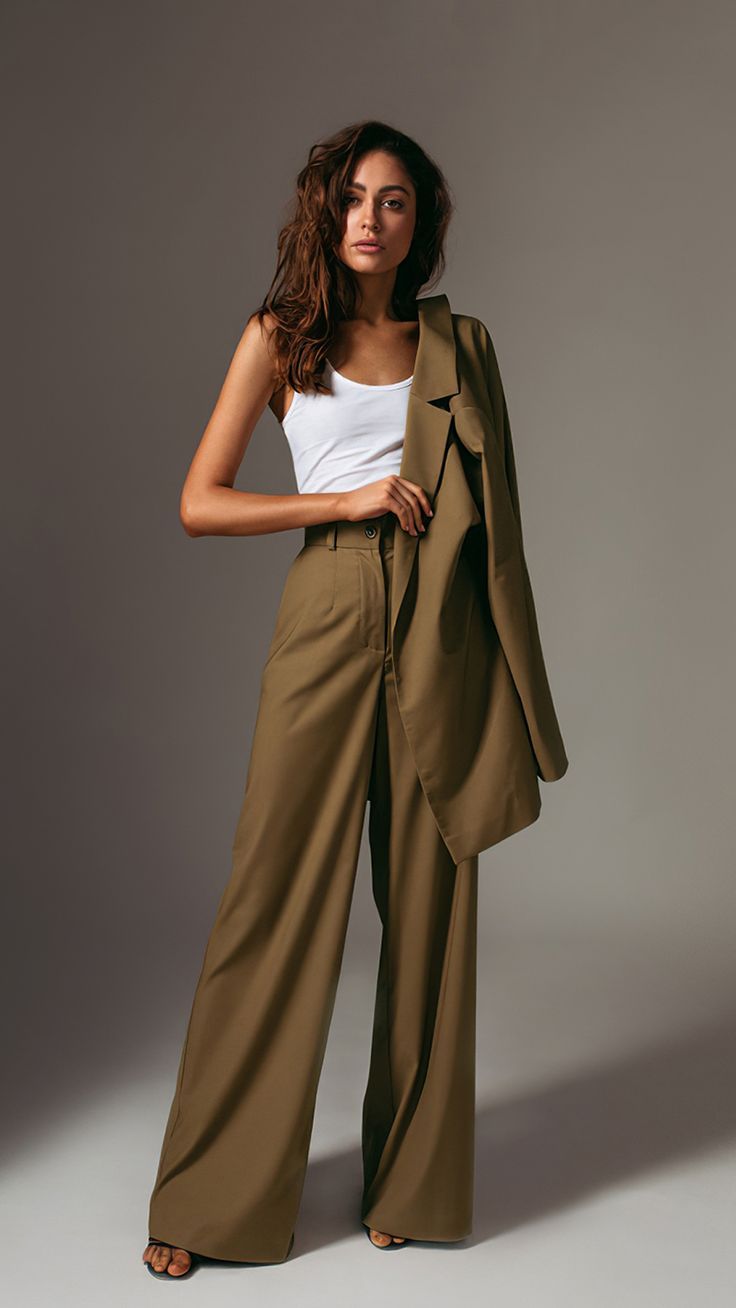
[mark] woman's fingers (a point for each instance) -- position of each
(406, 511)
(415, 500)
(420, 493)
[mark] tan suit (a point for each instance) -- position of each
(405, 673)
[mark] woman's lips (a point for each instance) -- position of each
(368, 247)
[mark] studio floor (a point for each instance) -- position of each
(605, 1161)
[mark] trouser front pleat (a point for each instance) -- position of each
(328, 739)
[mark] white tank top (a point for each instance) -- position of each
(354, 436)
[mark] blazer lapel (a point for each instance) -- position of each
(427, 426)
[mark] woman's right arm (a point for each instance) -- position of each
(210, 506)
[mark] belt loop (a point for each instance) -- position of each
(332, 536)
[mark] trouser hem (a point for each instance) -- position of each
(415, 1232)
(214, 1251)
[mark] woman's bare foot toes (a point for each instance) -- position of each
(164, 1258)
(381, 1239)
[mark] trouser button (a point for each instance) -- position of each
(370, 530)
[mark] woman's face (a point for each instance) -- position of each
(379, 204)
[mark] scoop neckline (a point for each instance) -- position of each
(370, 386)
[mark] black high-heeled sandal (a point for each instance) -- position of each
(384, 1248)
(196, 1258)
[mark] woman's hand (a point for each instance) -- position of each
(391, 494)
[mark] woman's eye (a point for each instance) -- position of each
(348, 199)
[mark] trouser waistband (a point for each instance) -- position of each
(368, 533)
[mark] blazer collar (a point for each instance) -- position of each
(435, 367)
(427, 425)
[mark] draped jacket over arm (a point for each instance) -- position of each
(472, 685)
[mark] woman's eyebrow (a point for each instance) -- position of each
(358, 186)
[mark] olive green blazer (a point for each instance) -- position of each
(471, 679)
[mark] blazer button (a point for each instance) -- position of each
(370, 530)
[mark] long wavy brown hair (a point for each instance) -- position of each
(312, 289)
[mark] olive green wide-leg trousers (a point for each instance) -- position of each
(328, 739)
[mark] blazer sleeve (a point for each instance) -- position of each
(502, 424)
(510, 588)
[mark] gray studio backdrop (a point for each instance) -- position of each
(150, 154)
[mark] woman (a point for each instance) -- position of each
(333, 350)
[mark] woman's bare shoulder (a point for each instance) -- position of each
(258, 335)
(258, 332)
